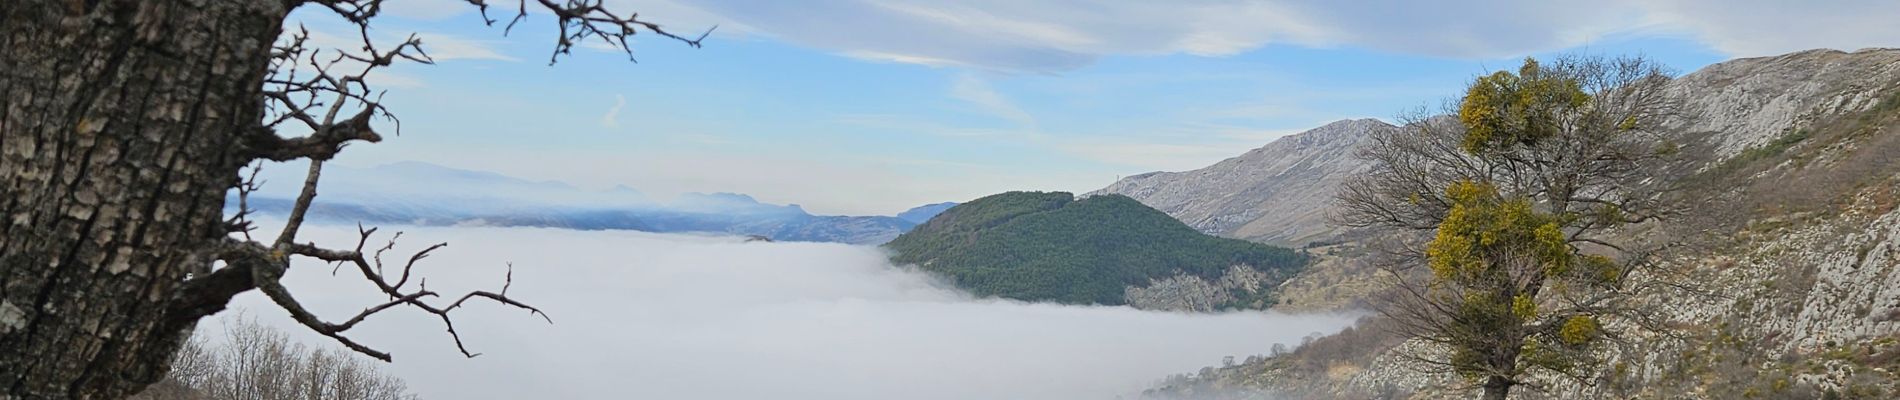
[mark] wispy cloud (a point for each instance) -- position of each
(443, 47)
(1057, 35)
(1745, 27)
(439, 46)
(427, 9)
(976, 91)
(612, 118)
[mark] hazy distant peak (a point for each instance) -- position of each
(424, 168)
(730, 203)
(922, 213)
(723, 199)
(423, 172)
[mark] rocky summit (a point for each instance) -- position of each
(1277, 194)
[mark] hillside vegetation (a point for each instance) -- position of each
(1050, 246)
(1787, 261)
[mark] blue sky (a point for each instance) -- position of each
(863, 107)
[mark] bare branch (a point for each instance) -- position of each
(582, 20)
(325, 94)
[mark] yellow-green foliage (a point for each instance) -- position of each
(1524, 307)
(1580, 330)
(1601, 268)
(1502, 254)
(1503, 108)
(1484, 230)
(1487, 243)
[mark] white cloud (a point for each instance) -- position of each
(612, 118)
(596, 44)
(1749, 28)
(976, 91)
(439, 46)
(640, 315)
(444, 47)
(1056, 35)
(427, 9)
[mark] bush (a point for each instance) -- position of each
(257, 362)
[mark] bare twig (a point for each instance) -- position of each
(325, 94)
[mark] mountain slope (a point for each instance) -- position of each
(1789, 256)
(1280, 193)
(1050, 246)
(1276, 194)
(1749, 102)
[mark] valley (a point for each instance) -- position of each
(1782, 261)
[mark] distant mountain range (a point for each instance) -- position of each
(427, 194)
(923, 213)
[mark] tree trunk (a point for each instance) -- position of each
(120, 130)
(1496, 388)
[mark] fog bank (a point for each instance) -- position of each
(642, 315)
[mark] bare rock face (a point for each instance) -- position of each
(1747, 102)
(1278, 194)
(1240, 287)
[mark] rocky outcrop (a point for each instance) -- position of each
(1240, 287)
(1338, 279)
(1796, 307)
(1748, 102)
(1277, 194)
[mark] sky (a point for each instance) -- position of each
(657, 316)
(871, 107)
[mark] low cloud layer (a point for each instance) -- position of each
(641, 315)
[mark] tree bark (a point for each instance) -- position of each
(122, 125)
(1496, 388)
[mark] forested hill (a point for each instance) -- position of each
(1053, 247)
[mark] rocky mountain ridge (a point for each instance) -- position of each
(1790, 260)
(1276, 194)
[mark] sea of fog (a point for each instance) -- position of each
(660, 316)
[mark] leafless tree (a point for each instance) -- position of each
(257, 362)
(124, 123)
